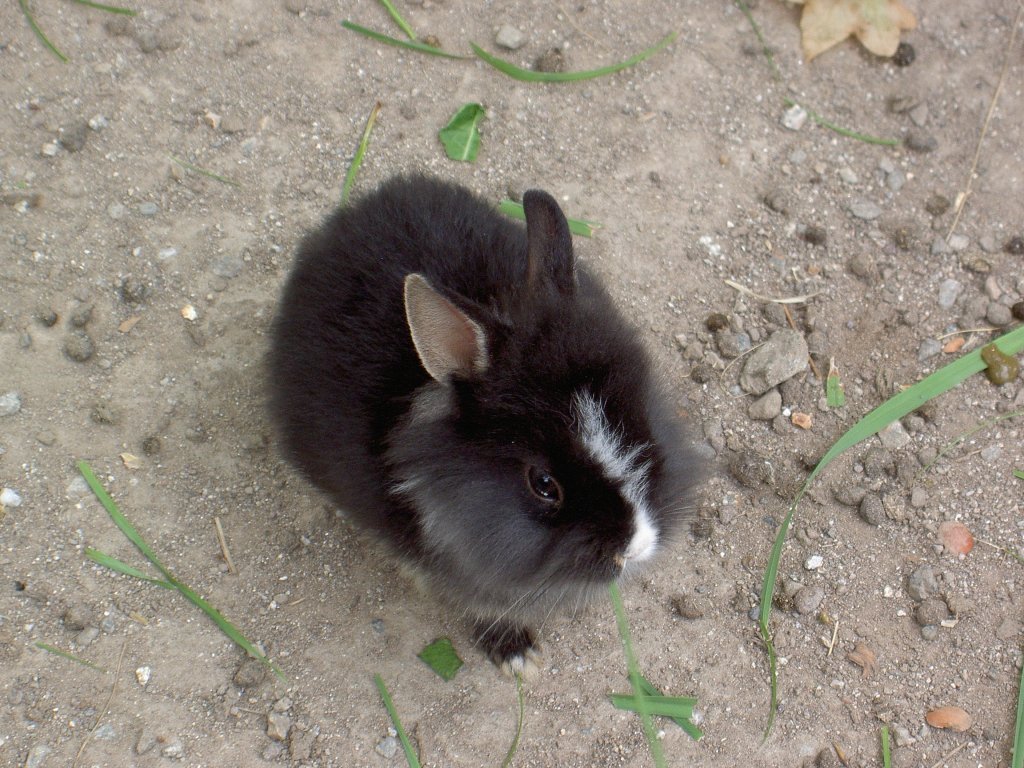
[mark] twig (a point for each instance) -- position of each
(962, 197)
(791, 300)
(835, 636)
(103, 712)
(951, 754)
(224, 545)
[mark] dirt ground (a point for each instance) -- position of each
(686, 164)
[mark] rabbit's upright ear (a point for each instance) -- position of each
(447, 340)
(549, 243)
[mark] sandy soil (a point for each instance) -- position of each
(675, 158)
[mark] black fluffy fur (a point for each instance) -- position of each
(359, 415)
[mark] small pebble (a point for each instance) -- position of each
(794, 118)
(173, 748)
(250, 673)
(932, 610)
(37, 755)
(143, 674)
(894, 436)
(815, 235)
(922, 584)
(919, 115)
(687, 606)
(79, 346)
(929, 348)
(1015, 245)
(871, 509)
(72, 137)
(146, 741)
(848, 175)
(905, 55)
(937, 204)
(930, 632)
(920, 141)
(958, 242)
(918, 498)
(998, 314)
(814, 562)
(10, 403)
(278, 724)
(865, 209)
(81, 316)
(896, 180)
(387, 747)
(77, 617)
(148, 209)
(939, 246)
(116, 211)
(509, 37)
(778, 200)
(949, 290)
(766, 407)
(133, 290)
(807, 600)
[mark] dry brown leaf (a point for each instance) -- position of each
(864, 658)
(876, 23)
(949, 717)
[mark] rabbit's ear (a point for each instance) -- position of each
(447, 340)
(549, 244)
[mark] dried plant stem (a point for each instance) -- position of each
(224, 545)
(961, 200)
(106, 707)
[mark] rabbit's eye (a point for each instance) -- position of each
(544, 486)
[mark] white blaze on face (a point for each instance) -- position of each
(619, 465)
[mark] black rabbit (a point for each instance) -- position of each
(466, 391)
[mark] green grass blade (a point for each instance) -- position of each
(70, 657)
(635, 676)
(960, 438)
(203, 172)
(664, 706)
(39, 32)
(228, 628)
(1019, 474)
(461, 136)
(413, 45)
(108, 8)
(1018, 732)
(892, 409)
(886, 757)
(576, 226)
(531, 76)
(866, 138)
(519, 726)
(129, 531)
(410, 753)
(691, 730)
(393, 12)
(357, 160)
(116, 565)
(121, 521)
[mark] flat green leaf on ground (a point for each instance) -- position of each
(441, 657)
(461, 137)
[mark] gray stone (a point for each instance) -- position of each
(850, 495)
(871, 509)
(932, 610)
(149, 209)
(509, 37)
(173, 749)
(227, 266)
(37, 755)
(388, 747)
(794, 118)
(688, 606)
(731, 344)
(958, 243)
(922, 583)
(278, 724)
(949, 290)
(918, 498)
(781, 357)
(865, 209)
(1008, 629)
(808, 599)
(72, 136)
(918, 140)
(938, 246)
(81, 316)
(116, 211)
(896, 180)
(894, 436)
(998, 314)
(250, 673)
(10, 403)
(848, 175)
(79, 346)
(929, 348)
(766, 407)
(146, 741)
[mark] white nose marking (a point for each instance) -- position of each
(644, 541)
